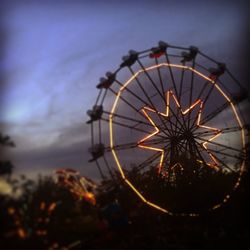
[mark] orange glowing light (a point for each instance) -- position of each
(11, 210)
(217, 132)
(52, 206)
(41, 232)
(42, 205)
(90, 197)
(177, 165)
(21, 233)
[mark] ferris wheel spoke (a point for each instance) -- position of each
(230, 130)
(138, 98)
(214, 113)
(124, 100)
(162, 95)
(132, 127)
(129, 104)
(183, 125)
(179, 94)
(208, 94)
(204, 101)
(130, 119)
(138, 122)
(167, 157)
(108, 167)
(163, 92)
(156, 141)
(150, 103)
(153, 157)
(199, 153)
(169, 120)
(191, 90)
(177, 121)
(217, 158)
(100, 169)
(223, 163)
(160, 79)
(176, 128)
(222, 131)
(171, 73)
(183, 148)
(148, 161)
(125, 146)
(205, 85)
(186, 145)
(226, 154)
(132, 145)
(132, 93)
(148, 98)
(218, 144)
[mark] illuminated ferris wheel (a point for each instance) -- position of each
(170, 112)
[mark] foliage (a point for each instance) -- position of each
(6, 167)
(44, 215)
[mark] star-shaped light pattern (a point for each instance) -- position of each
(167, 115)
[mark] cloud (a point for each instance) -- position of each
(69, 149)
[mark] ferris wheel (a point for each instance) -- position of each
(169, 112)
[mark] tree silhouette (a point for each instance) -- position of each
(46, 215)
(6, 167)
(5, 140)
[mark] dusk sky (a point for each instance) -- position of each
(54, 52)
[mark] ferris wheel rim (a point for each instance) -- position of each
(123, 175)
(112, 113)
